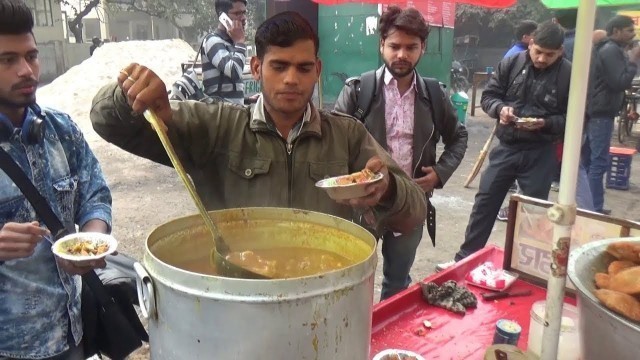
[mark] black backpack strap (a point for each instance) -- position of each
(515, 67)
(435, 94)
(39, 203)
(365, 99)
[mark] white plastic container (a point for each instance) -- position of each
(569, 345)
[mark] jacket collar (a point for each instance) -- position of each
(223, 35)
(522, 45)
(529, 63)
(419, 85)
(310, 120)
(30, 112)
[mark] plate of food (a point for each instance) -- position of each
(396, 354)
(350, 186)
(527, 121)
(85, 246)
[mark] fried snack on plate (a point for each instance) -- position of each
(626, 281)
(602, 280)
(623, 304)
(619, 265)
(87, 248)
(356, 178)
(625, 250)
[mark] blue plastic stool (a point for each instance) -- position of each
(619, 170)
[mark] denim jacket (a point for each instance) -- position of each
(37, 298)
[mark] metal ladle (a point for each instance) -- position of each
(220, 247)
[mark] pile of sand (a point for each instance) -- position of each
(73, 91)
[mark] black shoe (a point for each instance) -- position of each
(605, 211)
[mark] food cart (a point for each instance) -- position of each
(399, 322)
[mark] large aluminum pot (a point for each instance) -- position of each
(195, 316)
(603, 333)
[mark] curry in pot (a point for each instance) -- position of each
(288, 262)
(285, 249)
(277, 263)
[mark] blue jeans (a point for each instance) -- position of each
(398, 253)
(533, 168)
(584, 198)
(595, 156)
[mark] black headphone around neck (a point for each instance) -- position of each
(32, 126)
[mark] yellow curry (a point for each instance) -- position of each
(278, 263)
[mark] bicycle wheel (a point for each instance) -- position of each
(629, 128)
(623, 125)
(631, 116)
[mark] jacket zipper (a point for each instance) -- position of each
(415, 169)
(289, 147)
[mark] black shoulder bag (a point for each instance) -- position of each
(111, 325)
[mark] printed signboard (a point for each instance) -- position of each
(530, 236)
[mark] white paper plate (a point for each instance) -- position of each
(388, 354)
(59, 246)
(349, 191)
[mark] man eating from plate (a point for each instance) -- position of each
(39, 294)
(527, 96)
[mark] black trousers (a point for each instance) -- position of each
(534, 170)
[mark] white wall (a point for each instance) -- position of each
(45, 34)
(56, 57)
(74, 54)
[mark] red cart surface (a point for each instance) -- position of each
(398, 322)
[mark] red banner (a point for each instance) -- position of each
(484, 3)
(436, 12)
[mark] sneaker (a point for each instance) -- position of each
(555, 186)
(445, 265)
(503, 214)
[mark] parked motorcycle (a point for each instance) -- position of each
(458, 80)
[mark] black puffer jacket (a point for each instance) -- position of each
(611, 74)
(532, 93)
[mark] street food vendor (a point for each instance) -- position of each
(272, 154)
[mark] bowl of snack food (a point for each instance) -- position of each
(350, 186)
(396, 354)
(85, 246)
(605, 274)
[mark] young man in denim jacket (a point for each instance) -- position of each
(39, 293)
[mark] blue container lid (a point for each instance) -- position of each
(508, 326)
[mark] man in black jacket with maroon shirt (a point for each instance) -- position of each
(533, 84)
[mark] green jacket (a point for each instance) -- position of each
(237, 160)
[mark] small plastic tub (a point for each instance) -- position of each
(569, 345)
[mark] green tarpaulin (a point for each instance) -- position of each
(565, 4)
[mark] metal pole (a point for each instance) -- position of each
(563, 213)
